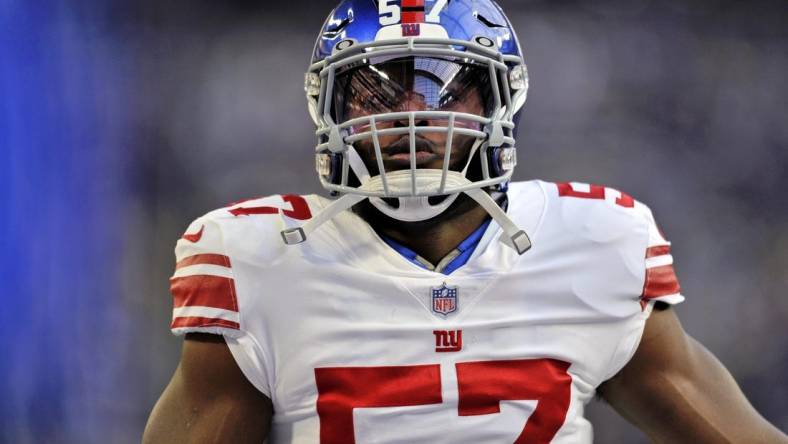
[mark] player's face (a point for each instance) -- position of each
(420, 84)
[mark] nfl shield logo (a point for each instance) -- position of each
(444, 299)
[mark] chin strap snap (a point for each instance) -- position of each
(297, 235)
(515, 237)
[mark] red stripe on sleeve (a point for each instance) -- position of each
(210, 259)
(660, 281)
(412, 3)
(658, 251)
(204, 291)
(412, 17)
(203, 322)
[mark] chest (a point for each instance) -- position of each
(375, 352)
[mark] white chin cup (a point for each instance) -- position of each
(412, 209)
(415, 206)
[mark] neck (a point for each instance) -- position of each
(433, 239)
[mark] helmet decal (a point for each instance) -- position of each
(393, 12)
(390, 12)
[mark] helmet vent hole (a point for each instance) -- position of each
(391, 201)
(344, 44)
(487, 22)
(437, 200)
(334, 31)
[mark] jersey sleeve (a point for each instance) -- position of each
(203, 285)
(660, 283)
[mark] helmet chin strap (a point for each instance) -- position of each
(411, 208)
(515, 237)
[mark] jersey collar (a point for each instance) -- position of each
(452, 261)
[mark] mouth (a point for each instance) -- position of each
(398, 153)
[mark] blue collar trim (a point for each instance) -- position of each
(466, 249)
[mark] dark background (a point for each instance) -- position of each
(121, 121)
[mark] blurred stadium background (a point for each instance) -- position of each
(121, 121)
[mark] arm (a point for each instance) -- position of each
(208, 399)
(676, 391)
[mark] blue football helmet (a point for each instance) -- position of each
(388, 75)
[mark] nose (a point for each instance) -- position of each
(412, 101)
(405, 122)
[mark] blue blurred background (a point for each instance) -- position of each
(121, 121)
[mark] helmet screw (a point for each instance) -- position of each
(484, 41)
(344, 44)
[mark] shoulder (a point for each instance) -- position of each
(595, 211)
(605, 227)
(267, 210)
(252, 225)
(211, 254)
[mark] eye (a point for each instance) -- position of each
(448, 99)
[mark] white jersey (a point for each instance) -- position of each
(353, 343)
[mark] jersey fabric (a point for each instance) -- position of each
(354, 343)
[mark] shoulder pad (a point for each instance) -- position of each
(605, 215)
(204, 283)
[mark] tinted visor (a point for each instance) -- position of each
(413, 84)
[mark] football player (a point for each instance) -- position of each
(432, 301)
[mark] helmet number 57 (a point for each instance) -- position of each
(390, 11)
(435, 13)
